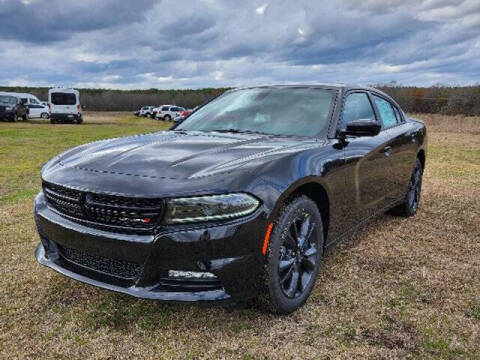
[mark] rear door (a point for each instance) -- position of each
(393, 125)
(63, 103)
(368, 161)
(176, 112)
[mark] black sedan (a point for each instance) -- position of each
(241, 199)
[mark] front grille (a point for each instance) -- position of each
(106, 210)
(118, 268)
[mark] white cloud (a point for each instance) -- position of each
(261, 9)
(201, 43)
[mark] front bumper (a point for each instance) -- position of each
(6, 114)
(139, 265)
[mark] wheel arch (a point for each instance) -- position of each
(313, 188)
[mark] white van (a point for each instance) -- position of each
(64, 105)
(35, 106)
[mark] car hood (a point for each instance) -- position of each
(174, 155)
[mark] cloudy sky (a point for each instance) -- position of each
(210, 43)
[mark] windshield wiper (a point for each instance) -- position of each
(239, 131)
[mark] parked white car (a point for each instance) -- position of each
(146, 111)
(64, 105)
(168, 112)
(39, 111)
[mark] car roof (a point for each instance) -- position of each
(64, 90)
(17, 94)
(332, 86)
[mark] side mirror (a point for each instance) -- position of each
(362, 127)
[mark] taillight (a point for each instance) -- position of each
(78, 107)
(159, 112)
(49, 106)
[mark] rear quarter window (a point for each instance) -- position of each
(387, 114)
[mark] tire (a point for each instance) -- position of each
(410, 203)
(13, 118)
(44, 115)
(25, 117)
(80, 120)
(167, 118)
(294, 256)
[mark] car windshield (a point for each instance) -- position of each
(301, 111)
(59, 98)
(8, 100)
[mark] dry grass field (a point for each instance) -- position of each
(398, 288)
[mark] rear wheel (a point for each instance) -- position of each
(25, 117)
(409, 206)
(80, 120)
(167, 118)
(294, 255)
(13, 118)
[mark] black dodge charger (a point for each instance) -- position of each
(241, 199)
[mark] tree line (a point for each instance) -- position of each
(450, 100)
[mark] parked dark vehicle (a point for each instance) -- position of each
(240, 199)
(12, 108)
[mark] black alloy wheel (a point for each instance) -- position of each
(409, 205)
(414, 189)
(294, 255)
(298, 256)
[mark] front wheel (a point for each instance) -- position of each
(44, 115)
(409, 205)
(294, 255)
(167, 118)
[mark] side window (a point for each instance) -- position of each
(386, 112)
(165, 108)
(34, 101)
(357, 106)
(398, 115)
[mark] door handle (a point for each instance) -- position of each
(387, 150)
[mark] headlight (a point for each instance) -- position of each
(208, 208)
